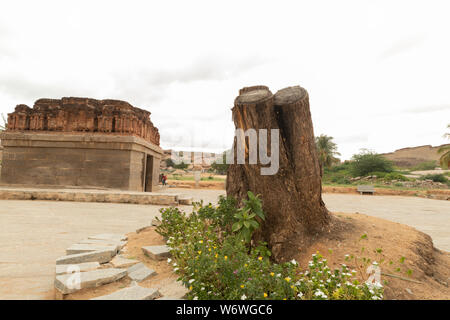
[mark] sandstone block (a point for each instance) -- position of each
(81, 267)
(157, 252)
(69, 283)
(121, 262)
(132, 293)
(139, 272)
(83, 248)
(94, 256)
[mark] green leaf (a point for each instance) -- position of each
(247, 224)
(236, 226)
(254, 224)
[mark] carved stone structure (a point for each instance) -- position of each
(81, 142)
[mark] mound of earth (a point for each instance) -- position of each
(408, 249)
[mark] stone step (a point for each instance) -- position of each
(120, 244)
(69, 283)
(71, 268)
(84, 247)
(109, 236)
(122, 262)
(94, 256)
(139, 272)
(185, 200)
(132, 293)
(157, 252)
(83, 195)
(174, 290)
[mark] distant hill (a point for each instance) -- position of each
(410, 157)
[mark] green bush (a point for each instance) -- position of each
(215, 262)
(378, 174)
(435, 177)
(395, 176)
(426, 165)
(366, 162)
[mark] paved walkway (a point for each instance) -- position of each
(34, 233)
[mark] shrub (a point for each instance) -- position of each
(378, 174)
(367, 162)
(395, 176)
(435, 177)
(426, 165)
(215, 262)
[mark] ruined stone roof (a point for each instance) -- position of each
(74, 114)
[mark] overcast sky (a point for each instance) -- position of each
(377, 72)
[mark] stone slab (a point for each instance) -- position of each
(174, 290)
(132, 293)
(84, 247)
(139, 272)
(81, 267)
(122, 262)
(120, 244)
(28, 192)
(157, 252)
(94, 256)
(69, 283)
(185, 200)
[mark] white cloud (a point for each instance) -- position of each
(374, 70)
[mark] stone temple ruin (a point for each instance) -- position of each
(81, 142)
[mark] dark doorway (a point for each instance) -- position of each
(148, 174)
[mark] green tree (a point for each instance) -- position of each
(220, 168)
(4, 126)
(445, 150)
(367, 162)
(170, 163)
(327, 150)
(181, 165)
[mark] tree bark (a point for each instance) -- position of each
(292, 198)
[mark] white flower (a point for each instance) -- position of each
(169, 260)
(294, 262)
(192, 280)
(195, 298)
(174, 264)
(176, 269)
(279, 275)
(300, 295)
(243, 297)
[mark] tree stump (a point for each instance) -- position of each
(292, 198)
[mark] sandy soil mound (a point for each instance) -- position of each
(429, 267)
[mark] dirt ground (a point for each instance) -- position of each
(429, 267)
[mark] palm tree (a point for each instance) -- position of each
(327, 150)
(5, 123)
(445, 150)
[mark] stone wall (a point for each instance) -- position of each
(84, 115)
(89, 160)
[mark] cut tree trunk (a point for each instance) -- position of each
(292, 198)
